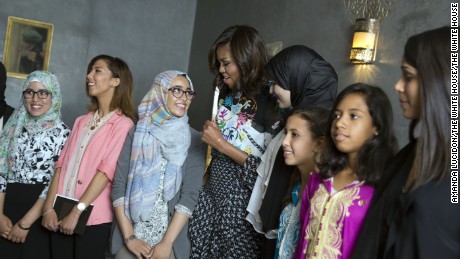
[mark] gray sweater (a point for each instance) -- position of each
(193, 170)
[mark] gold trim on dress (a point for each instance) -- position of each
(324, 231)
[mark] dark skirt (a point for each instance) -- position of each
(92, 244)
(19, 198)
(218, 228)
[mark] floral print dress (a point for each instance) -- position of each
(33, 163)
(218, 228)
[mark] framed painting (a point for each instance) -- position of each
(27, 46)
(274, 47)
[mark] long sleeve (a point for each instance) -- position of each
(122, 170)
(193, 170)
(59, 143)
(33, 161)
(101, 155)
(269, 123)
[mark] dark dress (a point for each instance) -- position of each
(5, 109)
(419, 224)
(272, 204)
(218, 228)
(426, 224)
(6, 112)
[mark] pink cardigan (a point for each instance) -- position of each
(100, 155)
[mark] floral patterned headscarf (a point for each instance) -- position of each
(159, 135)
(22, 119)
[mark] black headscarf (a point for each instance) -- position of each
(311, 80)
(5, 109)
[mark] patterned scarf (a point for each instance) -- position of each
(159, 135)
(22, 119)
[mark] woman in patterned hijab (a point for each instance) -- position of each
(30, 143)
(154, 141)
(159, 149)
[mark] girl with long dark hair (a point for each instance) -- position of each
(412, 215)
(359, 143)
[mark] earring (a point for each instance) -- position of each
(376, 133)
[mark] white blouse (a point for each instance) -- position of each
(34, 161)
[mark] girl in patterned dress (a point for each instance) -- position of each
(87, 164)
(245, 123)
(304, 138)
(359, 143)
(30, 144)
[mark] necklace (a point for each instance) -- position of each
(94, 124)
(96, 120)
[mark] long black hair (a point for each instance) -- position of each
(429, 54)
(376, 152)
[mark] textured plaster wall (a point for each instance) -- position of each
(150, 35)
(323, 25)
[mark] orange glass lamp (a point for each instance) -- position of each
(365, 40)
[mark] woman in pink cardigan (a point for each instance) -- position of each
(86, 167)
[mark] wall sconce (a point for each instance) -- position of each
(367, 16)
(365, 40)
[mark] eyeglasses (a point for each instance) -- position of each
(268, 85)
(29, 94)
(178, 93)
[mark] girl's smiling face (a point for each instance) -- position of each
(178, 106)
(298, 145)
(100, 82)
(35, 105)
